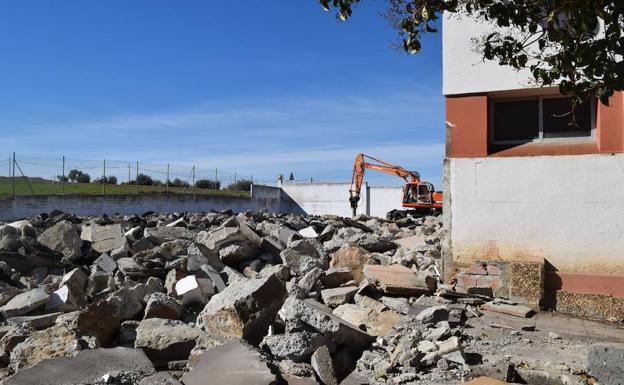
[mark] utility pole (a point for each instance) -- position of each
(63, 177)
(137, 178)
(104, 177)
(13, 175)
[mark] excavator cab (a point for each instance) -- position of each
(418, 194)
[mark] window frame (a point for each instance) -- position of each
(540, 138)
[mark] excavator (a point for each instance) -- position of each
(418, 197)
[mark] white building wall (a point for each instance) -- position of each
(566, 209)
(333, 198)
(465, 70)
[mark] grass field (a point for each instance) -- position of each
(46, 187)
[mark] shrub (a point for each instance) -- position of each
(78, 176)
(208, 184)
(241, 185)
(177, 182)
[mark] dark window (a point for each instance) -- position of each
(516, 120)
(559, 122)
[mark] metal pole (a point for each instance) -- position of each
(13, 175)
(235, 186)
(63, 177)
(137, 178)
(167, 177)
(217, 179)
(104, 177)
(193, 186)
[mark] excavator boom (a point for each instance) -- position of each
(412, 179)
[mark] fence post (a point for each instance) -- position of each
(13, 179)
(104, 177)
(217, 180)
(193, 185)
(136, 181)
(235, 186)
(63, 177)
(128, 173)
(167, 177)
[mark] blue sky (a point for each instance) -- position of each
(257, 87)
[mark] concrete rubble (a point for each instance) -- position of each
(248, 298)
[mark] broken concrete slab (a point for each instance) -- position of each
(234, 363)
(515, 310)
(26, 302)
(336, 276)
(35, 321)
(104, 239)
(160, 378)
(308, 232)
(245, 309)
(400, 280)
(86, 368)
(106, 263)
(192, 289)
(304, 255)
(353, 258)
(160, 305)
(323, 366)
(63, 237)
(321, 318)
(297, 346)
(165, 340)
(158, 235)
(339, 295)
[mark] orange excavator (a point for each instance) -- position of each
(418, 196)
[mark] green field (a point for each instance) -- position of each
(46, 187)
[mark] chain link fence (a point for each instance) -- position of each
(27, 175)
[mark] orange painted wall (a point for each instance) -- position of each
(468, 135)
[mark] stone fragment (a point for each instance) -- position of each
(65, 299)
(105, 239)
(87, 368)
(245, 309)
(158, 235)
(440, 332)
(281, 271)
(35, 321)
(321, 318)
(336, 276)
(233, 363)
(433, 314)
(160, 378)
(297, 347)
(198, 255)
(515, 310)
(309, 280)
(304, 255)
(194, 290)
(231, 243)
(323, 366)
(287, 235)
(308, 232)
(63, 238)
(399, 280)
(353, 258)
(414, 242)
(606, 363)
(106, 263)
(165, 340)
(339, 295)
(26, 302)
(160, 305)
(130, 301)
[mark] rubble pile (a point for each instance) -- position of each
(215, 298)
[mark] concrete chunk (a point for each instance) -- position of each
(339, 295)
(86, 368)
(165, 340)
(321, 318)
(63, 238)
(400, 280)
(304, 255)
(297, 347)
(160, 305)
(606, 363)
(105, 239)
(245, 309)
(323, 366)
(515, 310)
(233, 363)
(26, 302)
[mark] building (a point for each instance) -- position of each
(521, 185)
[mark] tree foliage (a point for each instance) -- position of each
(177, 182)
(106, 180)
(241, 185)
(208, 184)
(575, 44)
(78, 176)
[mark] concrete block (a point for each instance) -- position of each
(26, 302)
(399, 280)
(323, 366)
(233, 363)
(515, 310)
(339, 295)
(526, 282)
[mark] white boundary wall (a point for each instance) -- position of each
(567, 209)
(333, 198)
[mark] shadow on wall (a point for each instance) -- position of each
(289, 205)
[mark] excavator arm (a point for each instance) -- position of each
(364, 162)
